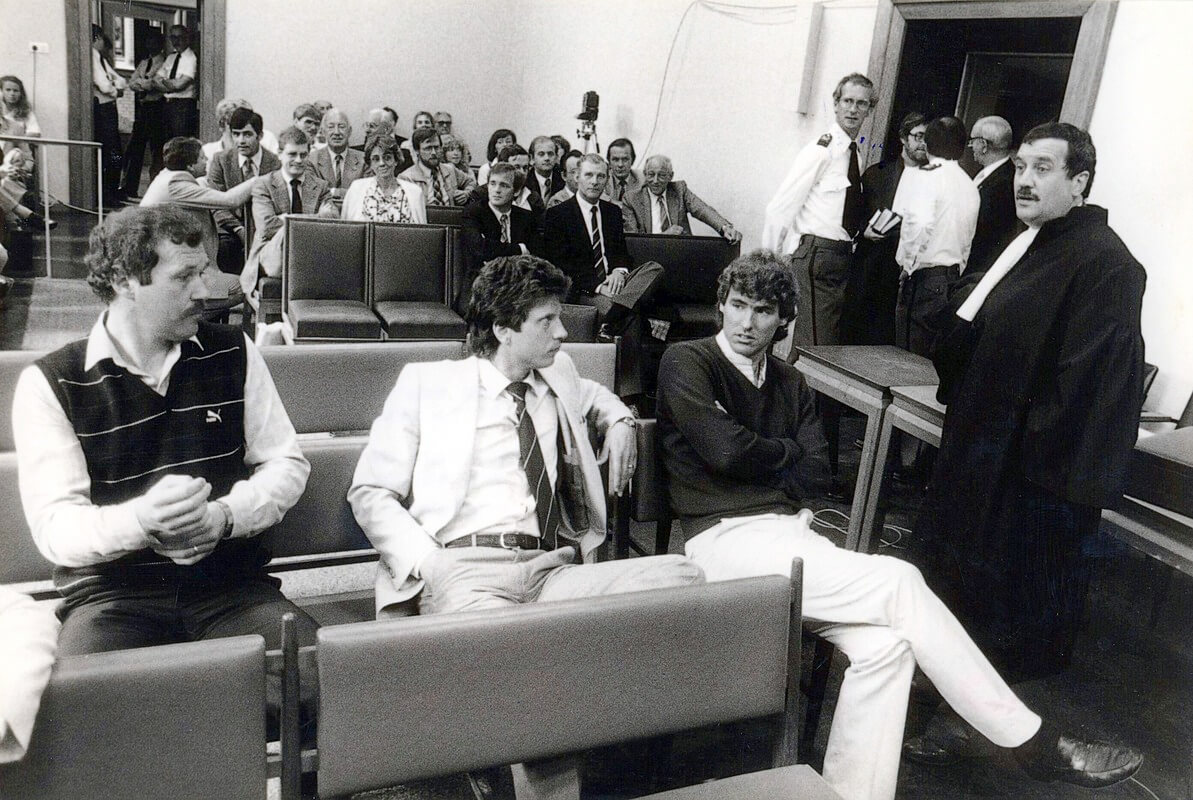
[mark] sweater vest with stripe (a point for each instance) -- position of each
(132, 437)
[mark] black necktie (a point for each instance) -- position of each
(851, 216)
(545, 507)
(295, 197)
(174, 69)
(339, 171)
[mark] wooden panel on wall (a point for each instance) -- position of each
(78, 109)
(213, 14)
(1088, 60)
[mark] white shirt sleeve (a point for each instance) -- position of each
(791, 195)
(29, 632)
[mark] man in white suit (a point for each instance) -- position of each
(478, 486)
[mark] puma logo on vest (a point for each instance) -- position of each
(214, 416)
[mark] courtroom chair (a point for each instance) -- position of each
(445, 215)
(181, 721)
(689, 287)
(421, 697)
(410, 282)
(325, 281)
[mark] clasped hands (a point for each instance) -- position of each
(182, 524)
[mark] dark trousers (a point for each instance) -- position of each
(182, 118)
(923, 299)
(118, 615)
(106, 126)
(624, 313)
(821, 270)
(149, 129)
(230, 257)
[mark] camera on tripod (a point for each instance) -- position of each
(590, 108)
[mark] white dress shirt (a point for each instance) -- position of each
(499, 214)
(753, 370)
(659, 207)
(188, 65)
(985, 171)
(939, 205)
(106, 83)
(56, 489)
(498, 499)
(811, 200)
(255, 158)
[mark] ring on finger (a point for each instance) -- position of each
(194, 550)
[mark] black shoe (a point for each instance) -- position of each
(932, 751)
(1093, 765)
(606, 334)
(839, 492)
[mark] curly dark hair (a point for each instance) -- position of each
(125, 245)
(504, 293)
(761, 276)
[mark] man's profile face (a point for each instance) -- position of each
(294, 159)
(620, 161)
(1043, 190)
(338, 131)
(373, 121)
(592, 181)
(170, 305)
(430, 152)
(501, 189)
(914, 147)
(534, 344)
(544, 157)
(309, 126)
(749, 324)
(657, 175)
(199, 168)
(247, 141)
(571, 173)
(852, 108)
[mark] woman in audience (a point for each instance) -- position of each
(17, 113)
(106, 86)
(383, 197)
(223, 113)
(501, 138)
(454, 152)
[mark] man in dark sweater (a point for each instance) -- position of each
(153, 452)
(743, 449)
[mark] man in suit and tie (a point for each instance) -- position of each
(585, 237)
(662, 205)
(498, 227)
(623, 179)
(338, 164)
(232, 167)
(293, 189)
(990, 140)
(571, 173)
(545, 178)
(442, 183)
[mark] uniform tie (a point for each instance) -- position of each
(855, 209)
(545, 507)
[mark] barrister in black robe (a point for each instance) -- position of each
(1043, 390)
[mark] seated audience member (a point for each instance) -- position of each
(442, 184)
(422, 121)
(293, 189)
(571, 172)
(14, 171)
(383, 196)
(516, 156)
(392, 117)
(498, 227)
(383, 122)
(462, 487)
(177, 184)
(623, 179)
(662, 205)
(154, 452)
(338, 164)
(29, 631)
(322, 106)
(501, 139)
(585, 238)
(443, 123)
(243, 162)
(455, 152)
(562, 147)
(545, 178)
(307, 119)
(744, 450)
(223, 114)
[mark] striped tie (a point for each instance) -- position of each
(505, 228)
(598, 251)
(545, 507)
(436, 182)
(664, 215)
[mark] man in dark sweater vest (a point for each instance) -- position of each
(743, 449)
(153, 452)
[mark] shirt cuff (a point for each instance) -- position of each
(126, 530)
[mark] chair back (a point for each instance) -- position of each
(445, 215)
(325, 260)
(692, 263)
(409, 262)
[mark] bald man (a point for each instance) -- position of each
(990, 141)
(338, 164)
(662, 205)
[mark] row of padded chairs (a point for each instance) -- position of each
(404, 700)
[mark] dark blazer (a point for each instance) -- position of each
(997, 222)
(481, 233)
(224, 172)
(566, 243)
(681, 201)
(557, 183)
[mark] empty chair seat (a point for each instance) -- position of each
(410, 283)
(325, 283)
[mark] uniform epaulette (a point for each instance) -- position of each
(826, 140)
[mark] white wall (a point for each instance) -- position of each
(1141, 125)
(40, 21)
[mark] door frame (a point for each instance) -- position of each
(212, 21)
(1089, 56)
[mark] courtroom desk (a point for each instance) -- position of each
(861, 377)
(914, 410)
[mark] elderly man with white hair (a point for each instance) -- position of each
(338, 164)
(990, 141)
(662, 205)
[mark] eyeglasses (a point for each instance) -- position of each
(972, 139)
(651, 175)
(916, 137)
(849, 102)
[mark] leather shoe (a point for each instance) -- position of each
(930, 751)
(1093, 765)
(839, 492)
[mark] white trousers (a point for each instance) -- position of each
(885, 619)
